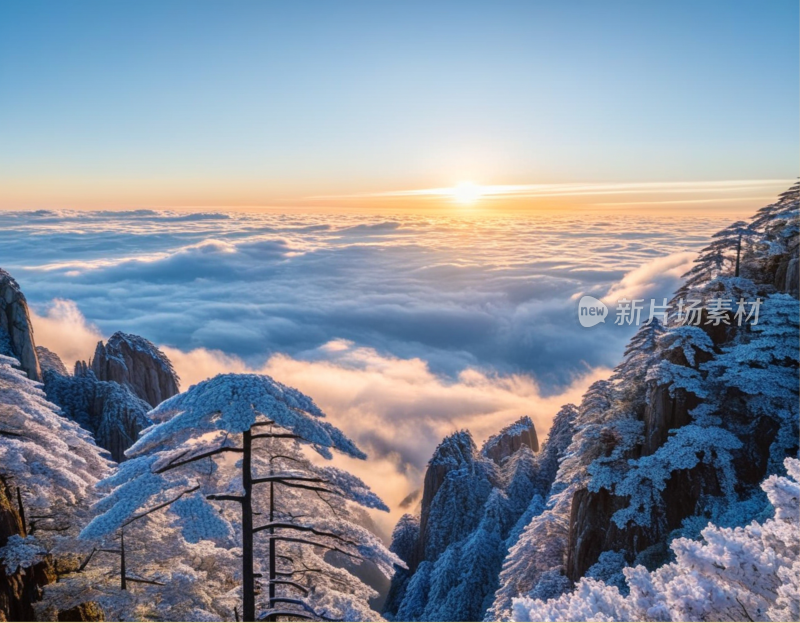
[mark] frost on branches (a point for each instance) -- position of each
(51, 459)
(732, 574)
(225, 462)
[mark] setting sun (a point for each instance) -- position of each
(467, 193)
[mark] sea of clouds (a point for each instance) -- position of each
(403, 329)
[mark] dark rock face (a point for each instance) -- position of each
(15, 326)
(664, 413)
(521, 433)
(87, 611)
(22, 588)
(136, 363)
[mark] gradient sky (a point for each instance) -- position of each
(279, 103)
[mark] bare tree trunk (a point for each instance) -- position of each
(123, 570)
(248, 580)
(272, 543)
(22, 513)
(738, 254)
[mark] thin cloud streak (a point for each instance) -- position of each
(578, 189)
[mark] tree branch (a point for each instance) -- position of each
(87, 560)
(311, 529)
(172, 464)
(302, 604)
(333, 548)
(130, 579)
(275, 436)
(160, 506)
(299, 587)
(281, 477)
(231, 498)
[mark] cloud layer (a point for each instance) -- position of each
(495, 294)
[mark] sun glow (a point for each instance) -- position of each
(467, 193)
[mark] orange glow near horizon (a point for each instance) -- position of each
(737, 196)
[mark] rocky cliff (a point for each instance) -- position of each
(136, 363)
(727, 389)
(471, 503)
(50, 361)
(111, 395)
(501, 446)
(16, 331)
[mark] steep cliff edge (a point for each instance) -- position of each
(16, 331)
(19, 590)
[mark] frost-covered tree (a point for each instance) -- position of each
(722, 256)
(746, 573)
(151, 572)
(537, 545)
(227, 461)
(50, 462)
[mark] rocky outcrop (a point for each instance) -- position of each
(111, 395)
(16, 328)
(791, 283)
(471, 502)
(136, 363)
(87, 611)
(501, 446)
(50, 362)
(457, 464)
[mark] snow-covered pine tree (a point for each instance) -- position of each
(228, 454)
(151, 572)
(722, 256)
(537, 545)
(747, 573)
(50, 463)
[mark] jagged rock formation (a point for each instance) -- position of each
(136, 363)
(471, 504)
(501, 446)
(16, 332)
(111, 395)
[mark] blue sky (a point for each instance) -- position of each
(262, 102)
